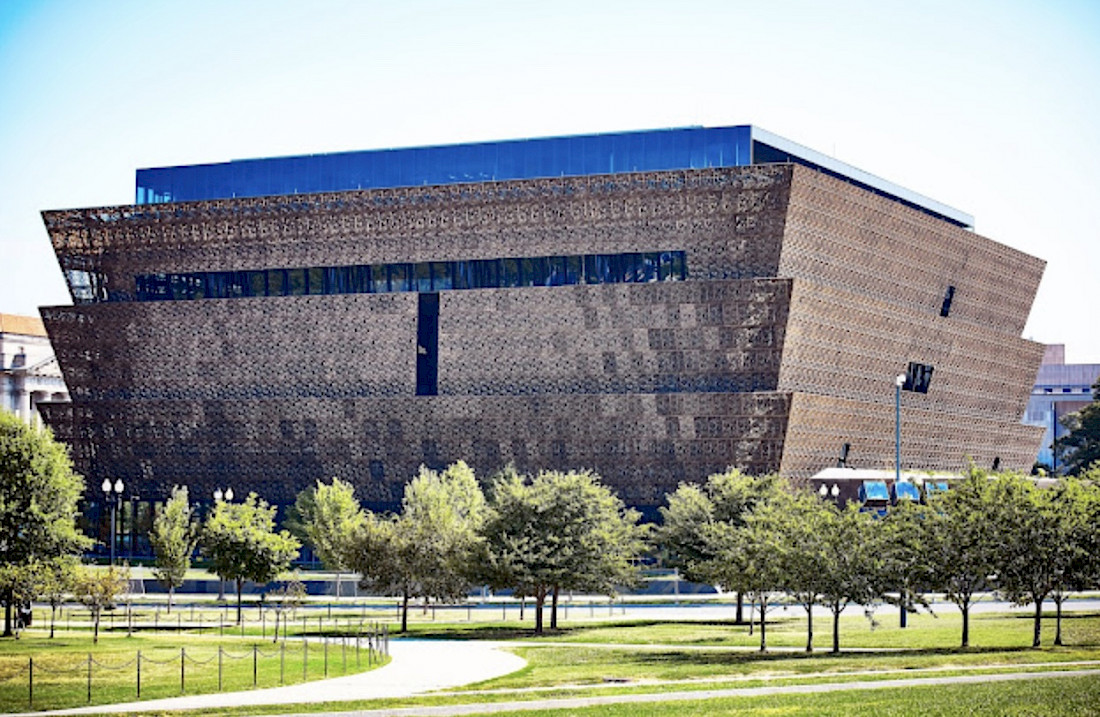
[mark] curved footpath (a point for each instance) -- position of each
(417, 666)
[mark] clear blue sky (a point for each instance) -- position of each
(990, 107)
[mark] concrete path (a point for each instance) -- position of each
(417, 666)
(639, 699)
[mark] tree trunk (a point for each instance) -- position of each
(95, 623)
(240, 586)
(9, 598)
(1037, 634)
(171, 589)
(763, 624)
(53, 618)
(276, 628)
(809, 627)
(904, 603)
(554, 609)
(752, 617)
(740, 615)
(836, 630)
(522, 605)
(540, 600)
(405, 611)
(965, 607)
(1058, 619)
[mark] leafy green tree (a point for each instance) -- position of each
(174, 535)
(560, 531)
(1031, 540)
(903, 568)
(1080, 448)
(804, 522)
(333, 517)
(693, 510)
(38, 507)
(56, 579)
(430, 549)
(1076, 564)
(98, 589)
(749, 552)
(961, 543)
(241, 543)
(850, 566)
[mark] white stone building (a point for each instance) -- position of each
(29, 373)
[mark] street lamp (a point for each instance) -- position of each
(898, 383)
(218, 494)
(112, 495)
(825, 491)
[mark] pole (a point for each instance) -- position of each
(897, 433)
(30, 682)
(139, 674)
(114, 507)
(181, 671)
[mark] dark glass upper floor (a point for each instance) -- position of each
(425, 276)
(577, 155)
(580, 155)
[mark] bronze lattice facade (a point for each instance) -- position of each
(801, 298)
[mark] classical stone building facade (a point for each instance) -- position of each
(653, 325)
(29, 374)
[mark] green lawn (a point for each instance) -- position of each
(1070, 696)
(61, 666)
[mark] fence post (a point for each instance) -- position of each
(30, 682)
(89, 677)
(254, 649)
(219, 668)
(139, 674)
(182, 682)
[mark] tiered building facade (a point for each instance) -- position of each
(720, 297)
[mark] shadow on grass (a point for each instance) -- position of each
(688, 658)
(513, 632)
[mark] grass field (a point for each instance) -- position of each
(170, 665)
(586, 658)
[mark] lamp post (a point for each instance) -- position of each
(898, 383)
(112, 494)
(219, 494)
(825, 491)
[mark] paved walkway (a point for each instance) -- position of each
(417, 666)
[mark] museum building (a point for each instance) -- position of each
(656, 306)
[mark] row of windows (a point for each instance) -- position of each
(426, 276)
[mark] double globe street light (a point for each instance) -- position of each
(112, 494)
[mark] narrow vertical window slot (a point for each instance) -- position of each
(427, 345)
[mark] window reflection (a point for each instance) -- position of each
(423, 277)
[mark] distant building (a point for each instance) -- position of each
(1060, 389)
(29, 374)
(656, 306)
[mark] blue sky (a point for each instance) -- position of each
(990, 107)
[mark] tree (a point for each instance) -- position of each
(849, 563)
(98, 589)
(556, 532)
(56, 579)
(1031, 541)
(804, 522)
(961, 542)
(289, 596)
(903, 567)
(174, 536)
(241, 543)
(1080, 448)
(333, 516)
(748, 554)
(1076, 563)
(38, 507)
(692, 510)
(430, 549)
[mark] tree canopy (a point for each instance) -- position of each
(38, 507)
(174, 535)
(241, 542)
(1080, 448)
